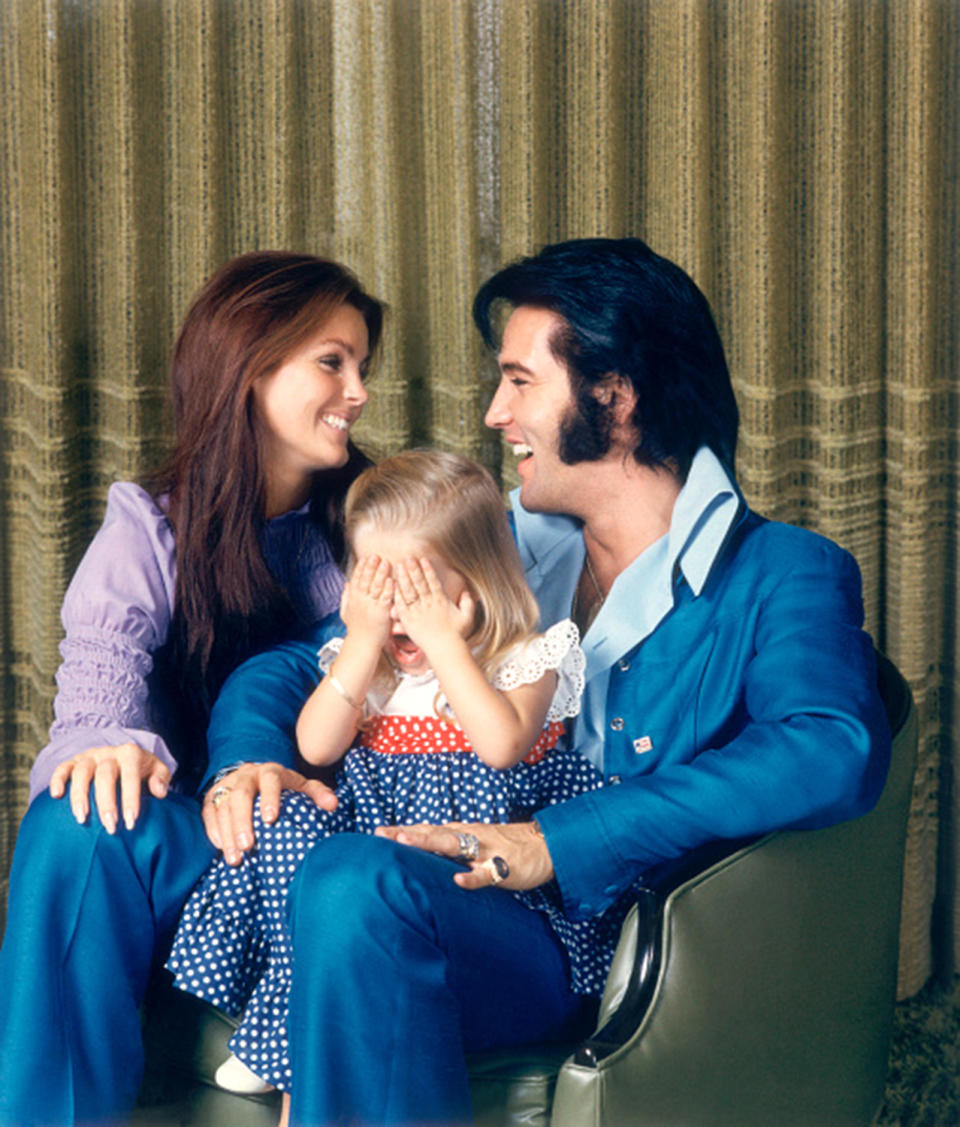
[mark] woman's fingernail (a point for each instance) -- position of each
(268, 813)
(243, 840)
(109, 822)
(128, 819)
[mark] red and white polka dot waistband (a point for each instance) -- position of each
(421, 735)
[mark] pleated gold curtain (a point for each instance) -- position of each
(800, 159)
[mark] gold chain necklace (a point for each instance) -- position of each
(584, 616)
(593, 579)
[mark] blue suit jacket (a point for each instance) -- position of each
(752, 706)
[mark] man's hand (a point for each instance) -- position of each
(228, 805)
(519, 844)
(128, 765)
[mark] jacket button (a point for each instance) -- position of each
(613, 780)
(617, 724)
(623, 665)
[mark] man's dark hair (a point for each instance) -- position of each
(628, 312)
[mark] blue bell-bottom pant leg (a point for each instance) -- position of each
(88, 914)
(398, 973)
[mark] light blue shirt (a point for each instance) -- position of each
(642, 594)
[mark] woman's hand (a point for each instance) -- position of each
(425, 610)
(519, 846)
(228, 804)
(367, 598)
(127, 764)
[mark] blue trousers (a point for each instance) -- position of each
(89, 913)
(398, 973)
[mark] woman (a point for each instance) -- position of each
(235, 542)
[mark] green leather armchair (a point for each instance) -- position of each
(753, 985)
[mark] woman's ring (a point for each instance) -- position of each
(468, 847)
(498, 869)
(218, 796)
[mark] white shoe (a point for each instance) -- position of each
(234, 1075)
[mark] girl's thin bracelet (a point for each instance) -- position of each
(342, 691)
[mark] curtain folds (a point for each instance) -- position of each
(800, 160)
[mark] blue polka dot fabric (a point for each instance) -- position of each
(232, 947)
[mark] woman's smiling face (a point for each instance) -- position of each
(307, 406)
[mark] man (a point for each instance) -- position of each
(730, 691)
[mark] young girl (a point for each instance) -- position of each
(451, 705)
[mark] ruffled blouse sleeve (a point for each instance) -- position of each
(558, 649)
(116, 614)
(328, 654)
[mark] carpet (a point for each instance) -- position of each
(923, 1081)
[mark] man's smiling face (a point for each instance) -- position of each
(531, 403)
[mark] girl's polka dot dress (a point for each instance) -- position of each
(411, 765)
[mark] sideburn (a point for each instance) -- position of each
(586, 430)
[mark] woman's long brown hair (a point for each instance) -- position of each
(251, 315)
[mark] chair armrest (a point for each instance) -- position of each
(625, 1013)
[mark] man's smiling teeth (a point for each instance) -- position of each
(336, 421)
(521, 449)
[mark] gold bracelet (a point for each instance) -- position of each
(343, 692)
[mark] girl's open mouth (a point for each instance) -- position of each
(404, 651)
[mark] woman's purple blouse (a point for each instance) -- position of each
(117, 612)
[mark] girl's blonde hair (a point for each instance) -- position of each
(454, 506)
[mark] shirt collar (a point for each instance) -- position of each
(703, 515)
(552, 549)
(644, 593)
(541, 535)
